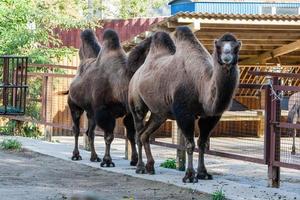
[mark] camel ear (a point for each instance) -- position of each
(239, 43)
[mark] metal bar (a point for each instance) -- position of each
(236, 157)
(286, 165)
(274, 171)
(51, 75)
(267, 136)
(287, 125)
(52, 66)
(286, 88)
(13, 86)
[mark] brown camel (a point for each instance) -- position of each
(183, 86)
(101, 89)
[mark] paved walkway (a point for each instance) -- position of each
(239, 180)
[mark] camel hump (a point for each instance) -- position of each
(111, 39)
(90, 47)
(184, 33)
(138, 54)
(162, 40)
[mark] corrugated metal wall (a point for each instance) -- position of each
(227, 7)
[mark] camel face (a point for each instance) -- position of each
(227, 50)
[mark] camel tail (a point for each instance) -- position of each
(90, 47)
(63, 92)
(137, 55)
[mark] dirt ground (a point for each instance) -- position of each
(29, 175)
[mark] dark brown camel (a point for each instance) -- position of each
(101, 89)
(183, 86)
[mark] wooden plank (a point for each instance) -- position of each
(285, 49)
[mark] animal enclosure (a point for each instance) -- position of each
(249, 131)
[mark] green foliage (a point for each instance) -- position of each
(9, 128)
(27, 27)
(137, 8)
(218, 195)
(30, 130)
(11, 144)
(169, 163)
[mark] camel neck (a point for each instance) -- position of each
(222, 85)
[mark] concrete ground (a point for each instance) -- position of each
(28, 175)
(239, 180)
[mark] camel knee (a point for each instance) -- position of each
(190, 147)
(144, 139)
(109, 138)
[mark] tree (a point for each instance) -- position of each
(138, 8)
(26, 26)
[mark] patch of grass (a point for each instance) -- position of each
(11, 144)
(170, 163)
(218, 195)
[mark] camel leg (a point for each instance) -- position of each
(139, 110)
(91, 134)
(205, 126)
(76, 113)
(129, 124)
(186, 123)
(152, 125)
(106, 122)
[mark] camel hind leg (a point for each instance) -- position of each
(129, 124)
(76, 113)
(152, 125)
(138, 110)
(91, 135)
(206, 125)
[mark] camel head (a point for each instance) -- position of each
(111, 39)
(161, 41)
(227, 49)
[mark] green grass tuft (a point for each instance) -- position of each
(169, 163)
(11, 144)
(218, 195)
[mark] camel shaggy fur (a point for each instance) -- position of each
(183, 84)
(100, 88)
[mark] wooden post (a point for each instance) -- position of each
(47, 110)
(261, 124)
(18, 129)
(180, 154)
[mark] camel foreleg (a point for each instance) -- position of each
(206, 125)
(129, 124)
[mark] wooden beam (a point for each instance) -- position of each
(285, 49)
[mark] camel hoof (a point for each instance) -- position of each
(204, 176)
(76, 157)
(95, 159)
(190, 176)
(150, 169)
(140, 169)
(108, 162)
(133, 163)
